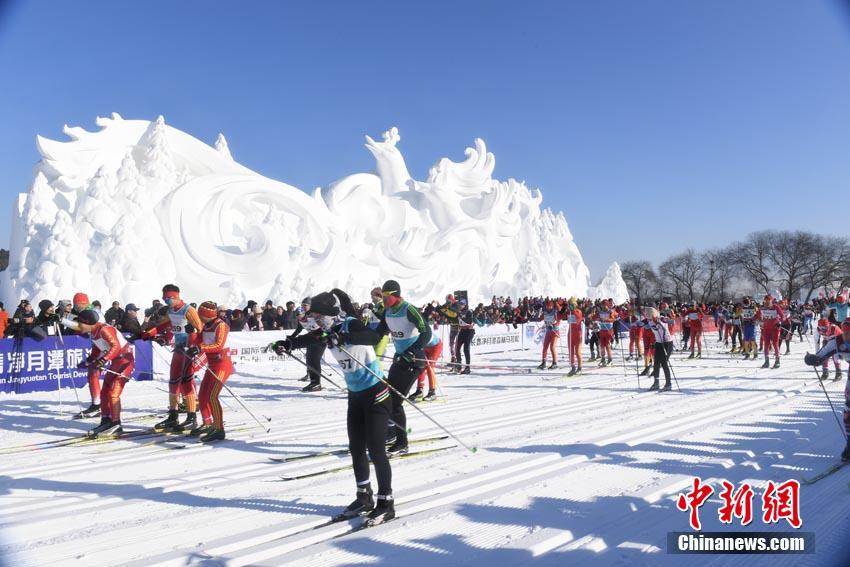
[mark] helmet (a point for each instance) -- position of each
(81, 298)
(88, 316)
(208, 310)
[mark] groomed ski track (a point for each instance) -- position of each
(569, 471)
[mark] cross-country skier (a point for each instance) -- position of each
(837, 346)
(211, 341)
(551, 322)
(769, 316)
(369, 403)
(748, 328)
(839, 310)
(182, 322)
(450, 310)
(315, 351)
(575, 317)
(693, 319)
(606, 317)
(648, 337)
(409, 333)
(109, 347)
(465, 334)
(663, 347)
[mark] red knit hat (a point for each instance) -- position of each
(81, 298)
(208, 310)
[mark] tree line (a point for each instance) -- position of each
(788, 261)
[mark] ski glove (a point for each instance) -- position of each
(282, 347)
(811, 359)
(193, 351)
(405, 356)
(331, 338)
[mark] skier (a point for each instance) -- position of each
(80, 304)
(409, 333)
(769, 316)
(748, 328)
(735, 324)
(663, 346)
(606, 318)
(837, 346)
(432, 353)
(693, 319)
(315, 350)
(648, 337)
(551, 321)
(575, 318)
(635, 331)
(369, 402)
(377, 312)
(826, 332)
(212, 341)
(181, 322)
(465, 334)
(839, 310)
(109, 347)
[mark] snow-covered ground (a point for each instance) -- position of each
(569, 471)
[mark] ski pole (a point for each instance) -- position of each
(673, 372)
(832, 407)
(472, 365)
(241, 403)
(308, 367)
(404, 399)
(73, 384)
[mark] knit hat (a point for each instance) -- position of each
(325, 304)
(391, 287)
(87, 316)
(45, 304)
(81, 298)
(131, 307)
(208, 310)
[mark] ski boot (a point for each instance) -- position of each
(465, 370)
(92, 411)
(542, 366)
(667, 387)
(787, 351)
(824, 374)
(629, 358)
(655, 385)
(845, 454)
(578, 371)
(397, 448)
(692, 355)
(553, 366)
(837, 375)
(114, 430)
(168, 422)
(776, 364)
(200, 430)
(212, 435)
(391, 434)
(432, 395)
(312, 387)
(645, 371)
(384, 511)
(415, 396)
(305, 378)
(190, 423)
(699, 354)
(766, 363)
(610, 360)
(105, 423)
(747, 355)
(363, 504)
(572, 371)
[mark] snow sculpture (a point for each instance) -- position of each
(612, 286)
(123, 210)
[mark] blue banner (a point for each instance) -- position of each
(30, 365)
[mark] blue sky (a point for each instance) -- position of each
(654, 125)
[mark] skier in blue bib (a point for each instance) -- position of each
(409, 333)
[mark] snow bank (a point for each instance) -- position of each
(121, 211)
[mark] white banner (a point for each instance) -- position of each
(246, 347)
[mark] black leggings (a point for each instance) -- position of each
(662, 352)
(315, 351)
(464, 340)
(736, 334)
(402, 375)
(367, 429)
(453, 330)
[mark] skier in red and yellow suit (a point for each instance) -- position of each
(574, 317)
(182, 322)
(212, 341)
(770, 316)
(108, 347)
(693, 318)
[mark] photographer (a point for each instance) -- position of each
(22, 321)
(47, 317)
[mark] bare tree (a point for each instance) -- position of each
(753, 257)
(791, 255)
(640, 279)
(721, 272)
(684, 271)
